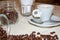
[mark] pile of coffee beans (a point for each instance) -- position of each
(32, 36)
(3, 34)
(12, 15)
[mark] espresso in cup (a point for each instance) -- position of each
(43, 11)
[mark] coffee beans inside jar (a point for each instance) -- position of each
(12, 16)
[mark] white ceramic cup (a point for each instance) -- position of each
(27, 2)
(44, 11)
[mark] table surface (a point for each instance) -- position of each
(23, 27)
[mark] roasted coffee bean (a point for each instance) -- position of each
(38, 38)
(48, 37)
(52, 32)
(56, 37)
(38, 33)
(26, 35)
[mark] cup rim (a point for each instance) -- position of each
(45, 5)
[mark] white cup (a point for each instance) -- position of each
(44, 11)
(27, 2)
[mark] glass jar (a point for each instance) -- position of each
(4, 29)
(26, 10)
(8, 9)
(26, 7)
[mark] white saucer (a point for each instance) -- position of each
(46, 24)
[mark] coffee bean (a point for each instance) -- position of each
(52, 32)
(38, 33)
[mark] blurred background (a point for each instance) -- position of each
(55, 2)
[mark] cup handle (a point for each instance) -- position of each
(36, 13)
